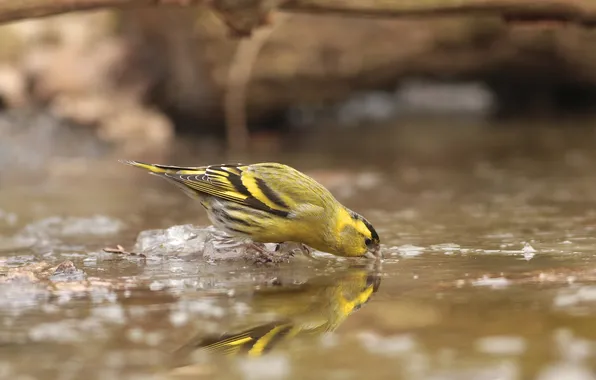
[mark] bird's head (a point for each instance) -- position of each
(357, 237)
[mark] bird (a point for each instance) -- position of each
(272, 203)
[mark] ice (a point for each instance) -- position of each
(493, 282)
(405, 250)
(177, 240)
(446, 247)
(528, 248)
(206, 242)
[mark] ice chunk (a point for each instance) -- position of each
(208, 242)
(446, 247)
(405, 250)
(493, 282)
(177, 240)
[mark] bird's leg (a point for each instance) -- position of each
(306, 249)
(266, 255)
(226, 241)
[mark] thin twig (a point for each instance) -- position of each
(119, 250)
(239, 75)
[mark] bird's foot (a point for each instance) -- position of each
(298, 249)
(265, 255)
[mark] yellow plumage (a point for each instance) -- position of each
(273, 203)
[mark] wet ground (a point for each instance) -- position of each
(488, 234)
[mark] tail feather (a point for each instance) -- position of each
(159, 169)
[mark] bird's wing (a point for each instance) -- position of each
(230, 182)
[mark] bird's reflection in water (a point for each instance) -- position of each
(315, 307)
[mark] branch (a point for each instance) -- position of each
(245, 15)
(579, 11)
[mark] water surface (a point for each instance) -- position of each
(488, 234)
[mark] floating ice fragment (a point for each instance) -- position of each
(494, 282)
(405, 250)
(445, 247)
(528, 251)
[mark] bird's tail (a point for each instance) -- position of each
(161, 169)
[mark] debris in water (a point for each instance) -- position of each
(119, 250)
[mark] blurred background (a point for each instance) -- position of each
(137, 79)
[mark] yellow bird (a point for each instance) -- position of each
(273, 203)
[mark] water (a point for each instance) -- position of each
(488, 233)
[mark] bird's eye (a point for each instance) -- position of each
(368, 242)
